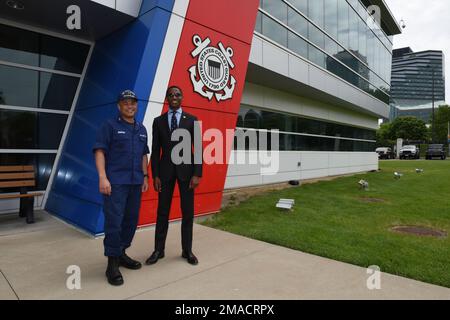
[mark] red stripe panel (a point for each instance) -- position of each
(230, 22)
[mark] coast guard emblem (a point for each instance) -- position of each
(211, 76)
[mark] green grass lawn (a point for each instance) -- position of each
(330, 220)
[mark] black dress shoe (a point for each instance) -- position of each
(154, 257)
(127, 262)
(190, 257)
(112, 272)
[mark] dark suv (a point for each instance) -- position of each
(435, 151)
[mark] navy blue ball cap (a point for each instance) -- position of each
(127, 94)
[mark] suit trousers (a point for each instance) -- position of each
(187, 209)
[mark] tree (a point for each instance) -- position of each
(441, 120)
(384, 135)
(408, 128)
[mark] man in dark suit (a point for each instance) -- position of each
(166, 170)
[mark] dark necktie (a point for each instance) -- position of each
(173, 122)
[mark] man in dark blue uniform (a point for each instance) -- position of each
(121, 159)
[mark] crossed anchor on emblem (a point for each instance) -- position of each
(212, 69)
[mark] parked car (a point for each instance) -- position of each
(436, 150)
(410, 152)
(385, 153)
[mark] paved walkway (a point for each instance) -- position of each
(33, 265)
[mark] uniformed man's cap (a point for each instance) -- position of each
(127, 94)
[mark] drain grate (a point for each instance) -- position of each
(420, 231)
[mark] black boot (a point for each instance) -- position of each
(127, 262)
(112, 272)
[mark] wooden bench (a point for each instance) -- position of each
(22, 177)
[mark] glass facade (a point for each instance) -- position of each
(304, 134)
(337, 35)
(417, 79)
(39, 77)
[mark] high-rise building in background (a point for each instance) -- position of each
(416, 77)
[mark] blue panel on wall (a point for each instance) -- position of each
(148, 5)
(126, 59)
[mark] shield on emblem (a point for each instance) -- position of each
(214, 69)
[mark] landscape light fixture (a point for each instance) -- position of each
(363, 184)
(397, 175)
(285, 204)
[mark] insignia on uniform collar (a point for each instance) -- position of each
(121, 132)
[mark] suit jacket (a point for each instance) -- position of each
(161, 161)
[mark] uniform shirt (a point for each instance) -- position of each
(177, 115)
(124, 145)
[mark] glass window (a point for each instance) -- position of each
(274, 31)
(33, 49)
(64, 55)
(316, 12)
(276, 8)
(298, 45)
(301, 5)
(30, 130)
(43, 164)
(29, 88)
(362, 43)
(316, 36)
(18, 87)
(370, 48)
(258, 25)
(353, 28)
(297, 22)
(331, 47)
(343, 23)
(316, 56)
(331, 17)
(57, 91)
(19, 46)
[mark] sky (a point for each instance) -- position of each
(427, 28)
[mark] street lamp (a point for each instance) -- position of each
(432, 99)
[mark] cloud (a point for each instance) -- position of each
(427, 25)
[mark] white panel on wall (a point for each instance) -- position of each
(130, 7)
(339, 159)
(298, 69)
(281, 177)
(316, 77)
(278, 100)
(253, 95)
(243, 181)
(264, 97)
(311, 110)
(108, 3)
(248, 168)
(311, 174)
(256, 51)
(314, 160)
(275, 59)
(313, 165)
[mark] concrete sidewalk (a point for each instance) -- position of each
(33, 265)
